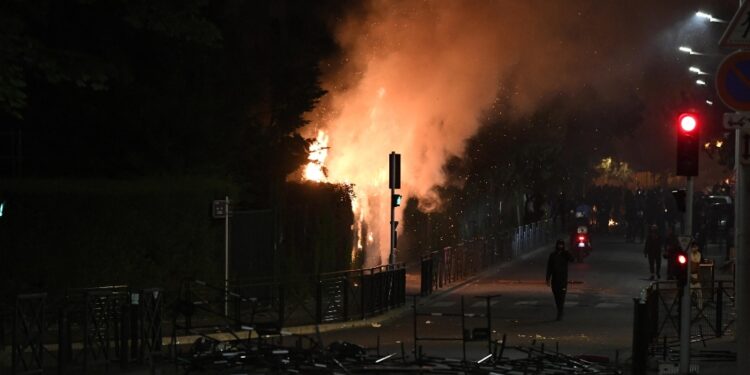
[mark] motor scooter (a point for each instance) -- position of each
(580, 243)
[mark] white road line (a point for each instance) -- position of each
(571, 303)
(484, 303)
(526, 303)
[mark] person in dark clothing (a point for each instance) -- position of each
(671, 247)
(557, 274)
(652, 250)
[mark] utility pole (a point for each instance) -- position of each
(226, 257)
(394, 182)
(685, 314)
(742, 258)
(688, 156)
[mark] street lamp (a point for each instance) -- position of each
(697, 70)
(700, 82)
(688, 50)
(709, 102)
(709, 17)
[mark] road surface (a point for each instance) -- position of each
(598, 309)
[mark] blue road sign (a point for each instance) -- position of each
(733, 81)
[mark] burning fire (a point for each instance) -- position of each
(315, 169)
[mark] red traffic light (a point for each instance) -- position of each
(682, 259)
(688, 122)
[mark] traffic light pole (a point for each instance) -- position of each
(226, 258)
(685, 301)
(392, 257)
(742, 258)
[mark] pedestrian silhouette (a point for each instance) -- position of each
(557, 275)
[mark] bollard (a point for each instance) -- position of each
(64, 346)
(640, 339)
(719, 309)
(319, 301)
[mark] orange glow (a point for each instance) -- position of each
(314, 170)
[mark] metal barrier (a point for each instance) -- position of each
(656, 317)
(269, 306)
(451, 264)
(84, 329)
(29, 331)
(467, 335)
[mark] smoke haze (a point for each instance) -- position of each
(415, 76)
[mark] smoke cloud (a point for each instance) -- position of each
(415, 76)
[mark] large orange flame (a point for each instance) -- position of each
(315, 169)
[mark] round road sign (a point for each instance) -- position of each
(733, 81)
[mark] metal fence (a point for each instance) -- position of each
(656, 318)
(83, 329)
(451, 264)
(269, 306)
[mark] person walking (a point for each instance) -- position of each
(557, 275)
(671, 247)
(652, 251)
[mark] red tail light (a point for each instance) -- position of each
(581, 238)
(682, 259)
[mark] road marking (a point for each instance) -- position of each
(526, 303)
(571, 303)
(483, 303)
(443, 304)
(606, 305)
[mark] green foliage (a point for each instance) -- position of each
(57, 234)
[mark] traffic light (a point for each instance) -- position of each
(681, 264)
(396, 200)
(688, 139)
(394, 171)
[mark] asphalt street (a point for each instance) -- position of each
(598, 309)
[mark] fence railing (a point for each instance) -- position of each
(451, 264)
(656, 317)
(83, 329)
(269, 306)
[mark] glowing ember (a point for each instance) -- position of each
(315, 169)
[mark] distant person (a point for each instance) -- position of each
(671, 247)
(652, 251)
(695, 279)
(557, 275)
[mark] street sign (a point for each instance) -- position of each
(744, 153)
(733, 81)
(737, 34)
(684, 242)
(736, 120)
(219, 209)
